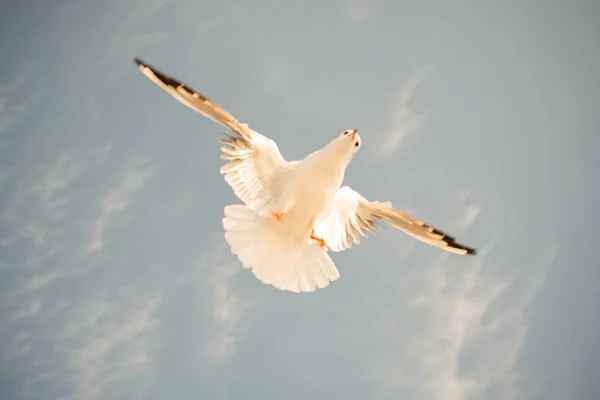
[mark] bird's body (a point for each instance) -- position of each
(284, 251)
(314, 180)
(294, 212)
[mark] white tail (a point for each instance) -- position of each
(275, 259)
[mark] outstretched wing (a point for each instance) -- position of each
(353, 216)
(254, 161)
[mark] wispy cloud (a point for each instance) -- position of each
(360, 11)
(96, 345)
(38, 281)
(10, 112)
(470, 207)
(467, 328)
(226, 308)
(18, 346)
(23, 297)
(54, 179)
(95, 363)
(39, 198)
(118, 199)
(28, 310)
(85, 344)
(403, 120)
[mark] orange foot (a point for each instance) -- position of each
(321, 241)
(278, 215)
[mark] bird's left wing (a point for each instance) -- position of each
(353, 216)
(255, 164)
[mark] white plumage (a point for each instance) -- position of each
(294, 212)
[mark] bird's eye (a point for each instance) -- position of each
(346, 132)
(356, 144)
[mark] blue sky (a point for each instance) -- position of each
(480, 118)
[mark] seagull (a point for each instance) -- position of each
(294, 212)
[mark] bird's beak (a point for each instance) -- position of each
(354, 133)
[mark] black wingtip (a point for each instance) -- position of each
(468, 250)
(164, 78)
(447, 237)
(450, 241)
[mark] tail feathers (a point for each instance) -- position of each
(274, 259)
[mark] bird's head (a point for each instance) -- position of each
(348, 142)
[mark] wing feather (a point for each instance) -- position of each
(253, 160)
(353, 216)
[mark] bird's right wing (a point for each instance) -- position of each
(254, 161)
(353, 216)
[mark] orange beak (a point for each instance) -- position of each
(354, 133)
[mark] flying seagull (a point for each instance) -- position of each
(294, 212)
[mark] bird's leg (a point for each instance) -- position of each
(321, 241)
(278, 215)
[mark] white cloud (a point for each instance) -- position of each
(462, 330)
(37, 200)
(11, 113)
(471, 214)
(19, 346)
(226, 308)
(28, 287)
(54, 179)
(36, 233)
(111, 349)
(37, 282)
(118, 199)
(471, 209)
(403, 120)
(95, 346)
(28, 311)
(86, 318)
(360, 11)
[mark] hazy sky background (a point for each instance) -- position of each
(481, 118)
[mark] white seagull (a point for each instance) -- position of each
(294, 212)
